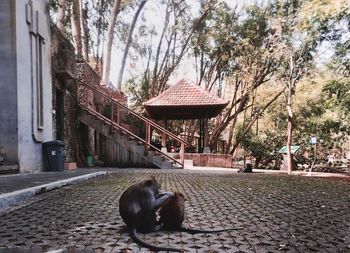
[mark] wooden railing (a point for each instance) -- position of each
(88, 95)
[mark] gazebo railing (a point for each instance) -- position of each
(118, 116)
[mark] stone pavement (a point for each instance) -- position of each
(15, 182)
(276, 213)
(15, 189)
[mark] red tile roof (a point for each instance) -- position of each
(184, 100)
(184, 93)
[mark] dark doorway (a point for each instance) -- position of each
(59, 115)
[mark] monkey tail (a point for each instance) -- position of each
(136, 239)
(198, 231)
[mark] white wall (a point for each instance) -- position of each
(8, 83)
(30, 138)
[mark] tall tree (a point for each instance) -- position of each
(62, 5)
(84, 28)
(295, 57)
(242, 54)
(108, 48)
(76, 28)
(177, 42)
(128, 43)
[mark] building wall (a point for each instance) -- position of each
(33, 23)
(8, 81)
(26, 91)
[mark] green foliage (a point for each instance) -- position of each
(262, 147)
(337, 96)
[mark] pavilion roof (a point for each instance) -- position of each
(184, 100)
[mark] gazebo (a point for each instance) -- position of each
(185, 100)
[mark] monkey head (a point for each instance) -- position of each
(153, 185)
(179, 195)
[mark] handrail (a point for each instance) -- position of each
(147, 121)
(152, 123)
(128, 132)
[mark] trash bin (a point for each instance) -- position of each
(54, 155)
(90, 161)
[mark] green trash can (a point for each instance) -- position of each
(90, 161)
(54, 155)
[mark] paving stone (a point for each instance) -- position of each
(274, 212)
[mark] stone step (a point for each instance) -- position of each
(167, 164)
(9, 169)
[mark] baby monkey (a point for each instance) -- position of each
(172, 215)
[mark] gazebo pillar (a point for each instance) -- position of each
(201, 135)
(164, 137)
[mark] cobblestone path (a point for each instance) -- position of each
(276, 213)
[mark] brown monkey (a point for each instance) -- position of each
(172, 215)
(137, 207)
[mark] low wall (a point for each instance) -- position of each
(210, 160)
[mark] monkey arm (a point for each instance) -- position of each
(161, 199)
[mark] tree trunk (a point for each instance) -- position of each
(62, 4)
(85, 29)
(146, 75)
(156, 61)
(108, 48)
(175, 60)
(289, 132)
(128, 44)
(100, 33)
(257, 162)
(76, 29)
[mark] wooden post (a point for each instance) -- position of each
(164, 139)
(182, 154)
(118, 116)
(112, 117)
(148, 134)
(201, 136)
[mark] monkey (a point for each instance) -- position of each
(172, 215)
(137, 207)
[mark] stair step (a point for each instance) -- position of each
(135, 147)
(150, 153)
(167, 164)
(158, 161)
(8, 169)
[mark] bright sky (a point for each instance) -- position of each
(154, 16)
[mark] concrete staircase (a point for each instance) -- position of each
(128, 148)
(6, 168)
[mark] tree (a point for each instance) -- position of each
(76, 28)
(295, 50)
(128, 43)
(177, 42)
(110, 36)
(263, 147)
(248, 62)
(62, 5)
(84, 28)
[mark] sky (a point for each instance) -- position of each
(154, 16)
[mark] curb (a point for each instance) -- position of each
(12, 198)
